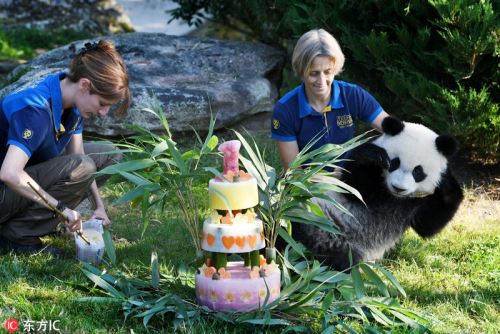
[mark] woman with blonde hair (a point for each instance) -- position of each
(320, 103)
(41, 145)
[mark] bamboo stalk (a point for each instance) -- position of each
(59, 213)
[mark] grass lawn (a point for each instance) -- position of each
(453, 278)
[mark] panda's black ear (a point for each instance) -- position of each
(392, 126)
(447, 145)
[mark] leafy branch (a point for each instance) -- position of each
(157, 169)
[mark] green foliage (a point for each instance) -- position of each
(21, 43)
(415, 57)
(160, 172)
(6, 50)
(475, 120)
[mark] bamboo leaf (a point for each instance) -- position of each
(408, 321)
(216, 172)
(361, 313)
(109, 246)
(379, 316)
(359, 288)
(136, 193)
(336, 182)
(176, 156)
(190, 155)
(375, 279)
(98, 300)
(160, 148)
(283, 233)
(328, 330)
(167, 162)
(327, 301)
(144, 209)
(127, 166)
(250, 168)
(212, 143)
(104, 285)
(258, 164)
(155, 271)
(331, 277)
(389, 276)
(135, 179)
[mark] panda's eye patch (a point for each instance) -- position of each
(418, 174)
(394, 164)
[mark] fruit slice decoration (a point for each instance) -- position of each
(231, 150)
(252, 239)
(210, 239)
(208, 271)
(228, 242)
(240, 242)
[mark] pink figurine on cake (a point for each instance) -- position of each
(231, 150)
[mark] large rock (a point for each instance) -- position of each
(189, 77)
(99, 17)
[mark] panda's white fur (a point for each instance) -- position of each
(394, 199)
(414, 146)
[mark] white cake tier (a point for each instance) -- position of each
(238, 195)
(238, 293)
(238, 238)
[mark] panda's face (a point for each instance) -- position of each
(416, 164)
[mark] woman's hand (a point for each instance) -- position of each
(100, 213)
(73, 219)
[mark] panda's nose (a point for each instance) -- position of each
(399, 190)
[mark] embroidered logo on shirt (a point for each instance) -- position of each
(27, 134)
(61, 131)
(276, 124)
(74, 127)
(344, 121)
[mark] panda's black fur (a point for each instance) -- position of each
(390, 208)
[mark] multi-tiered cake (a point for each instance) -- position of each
(234, 228)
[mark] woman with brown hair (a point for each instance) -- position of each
(41, 145)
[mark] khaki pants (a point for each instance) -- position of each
(66, 178)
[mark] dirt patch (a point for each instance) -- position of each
(481, 178)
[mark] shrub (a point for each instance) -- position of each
(21, 43)
(424, 61)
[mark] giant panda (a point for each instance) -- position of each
(405, 181)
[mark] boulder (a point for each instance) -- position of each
(188, 77)
(97, 17)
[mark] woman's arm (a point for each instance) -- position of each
(75, 146)
(12, 173)
(377, 122)
(288, 151)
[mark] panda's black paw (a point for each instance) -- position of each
(449, 190)
(372, 154)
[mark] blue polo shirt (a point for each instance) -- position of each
(294, 119)
(31, 120)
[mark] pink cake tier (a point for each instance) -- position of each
(232, 238)
(240, 292)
